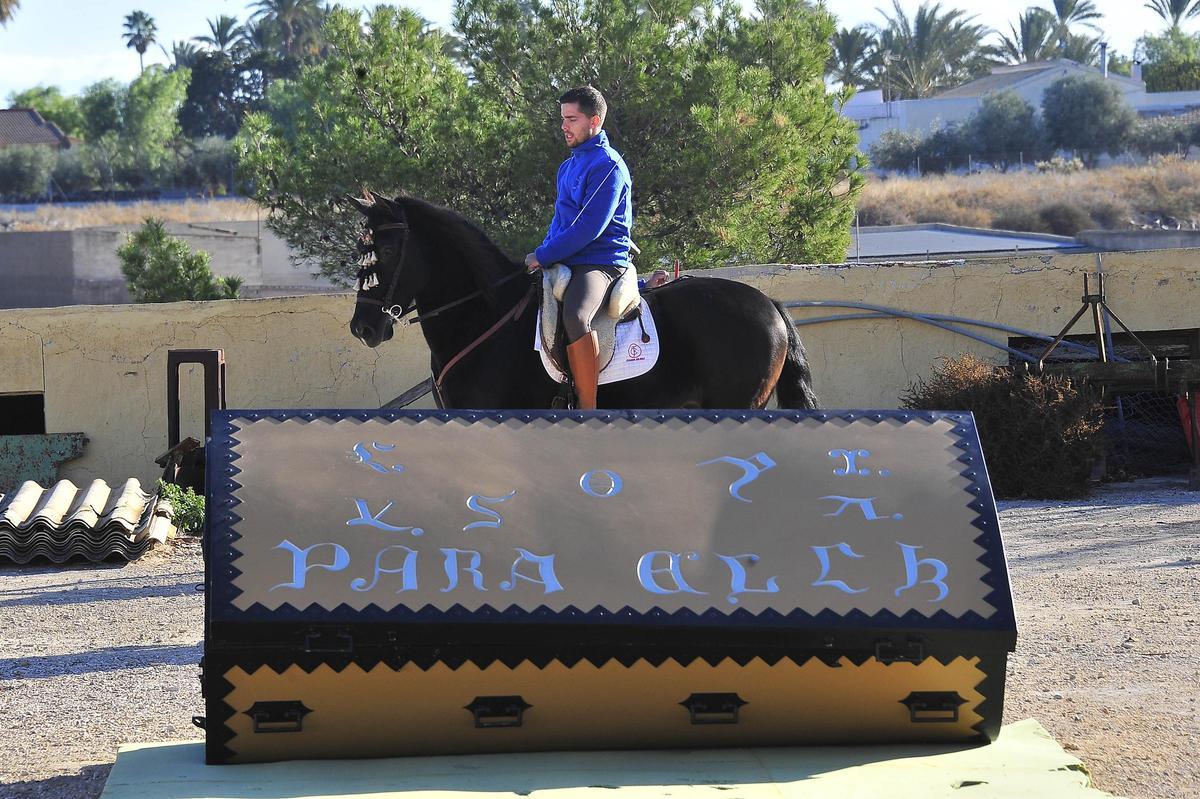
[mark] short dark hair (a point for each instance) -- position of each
(590, 101)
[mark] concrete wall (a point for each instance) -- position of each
(103, 368)
(1129, 240)
(83, 268)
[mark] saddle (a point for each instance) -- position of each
(623, 304)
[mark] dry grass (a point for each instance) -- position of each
(54, 217)
(1113, 198)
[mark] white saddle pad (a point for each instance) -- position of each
(631, 356)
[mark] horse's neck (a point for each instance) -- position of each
(454, 329)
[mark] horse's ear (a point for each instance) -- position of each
(359, 203)
(392, 208)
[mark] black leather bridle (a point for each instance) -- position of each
(370, 272)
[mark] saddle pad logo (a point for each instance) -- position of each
(635, 353)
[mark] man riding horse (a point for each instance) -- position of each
(593, 215)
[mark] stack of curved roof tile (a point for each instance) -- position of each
(95, 523)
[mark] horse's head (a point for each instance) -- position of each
(388, 283)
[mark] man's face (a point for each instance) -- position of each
(578, 127)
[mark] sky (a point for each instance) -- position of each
(72, 43)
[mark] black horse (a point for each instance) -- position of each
(723, 344)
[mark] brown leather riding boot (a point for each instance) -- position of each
(582, 354)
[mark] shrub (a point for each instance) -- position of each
(1020, 218)
(1161, 136)
(71, 171)
(1041, 435)
(1065, 218)
(896, 150)
(1060, 166)
(1088, 114)
(1004, 130)
(188, 506)
(1178, 76)
(25, 170)
(159, 267)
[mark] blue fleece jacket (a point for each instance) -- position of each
(594, 210)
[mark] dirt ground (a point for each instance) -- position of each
(1108, 659)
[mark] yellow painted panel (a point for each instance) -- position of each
(382, 712)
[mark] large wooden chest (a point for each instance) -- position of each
(426, 582)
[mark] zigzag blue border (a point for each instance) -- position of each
(222, 535)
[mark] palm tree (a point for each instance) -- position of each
(297, 24)
(1082, 49)
(7, 7)
(1032, 38)
(226, 33)
(933, 50)
(182, 55)
(139, 34)
(1174, 11)
(853, 53)
(1073, 12)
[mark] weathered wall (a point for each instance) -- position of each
(80, 267)
(103, 369)
(1129, 240)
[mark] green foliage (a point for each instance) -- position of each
(224, 87)
(53, 106)
(1162, 136)
(25, 170)
(1173, 46)
(1088, 114)
(854, 57)
(159, 267)
(941, 150)
(1032, 37)
(188, 506)
(1041, 435)
(1004, 130)
(1060, 166)
(1173, 76)
(209, 164)
(150, 129)
(101, 105)
(736, 147)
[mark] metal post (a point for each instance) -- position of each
(213, 362)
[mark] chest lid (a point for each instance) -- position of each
(738, 520)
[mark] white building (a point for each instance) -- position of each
(1029, 81)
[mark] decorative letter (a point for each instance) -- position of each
(452, 568)
(850, 468)
(912, 565)
(758, 463)
(545, 566)
(365, 517)
(737, 577)
(300, 566)
(646, 572)
(365, 457)
(865, 505)
(823, 557)
(409, 570)
(585, 482)
(497, 520)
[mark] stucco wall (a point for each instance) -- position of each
(103, 369)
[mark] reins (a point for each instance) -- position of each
(512, 315)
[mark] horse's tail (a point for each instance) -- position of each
(794, 388)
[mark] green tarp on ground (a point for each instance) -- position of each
(1024, 762)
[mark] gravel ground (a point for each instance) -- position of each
(1107, 593)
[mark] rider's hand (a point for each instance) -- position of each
(531, 262)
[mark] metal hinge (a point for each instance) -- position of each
(912, 651)
(340, 640)
(932, 707)
(278, 716)
(714, 708)
(498, 711)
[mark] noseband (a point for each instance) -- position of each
(368, 274)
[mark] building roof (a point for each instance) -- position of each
(1010, 75)
(937, 239)
(26, 126)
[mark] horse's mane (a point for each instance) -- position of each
(457, 234)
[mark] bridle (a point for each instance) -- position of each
(368, 273)
(368, 278)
